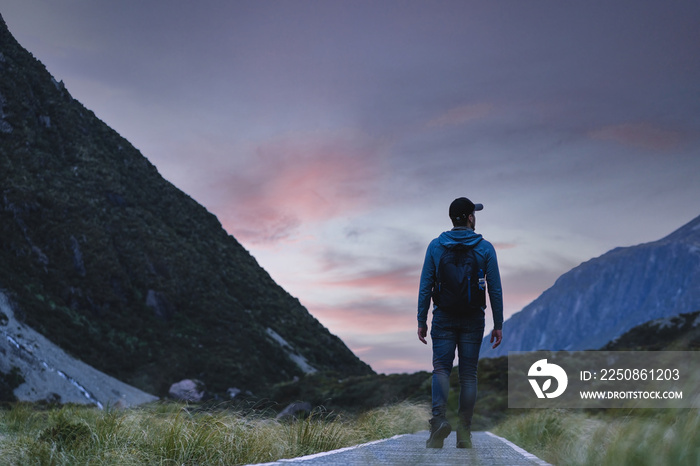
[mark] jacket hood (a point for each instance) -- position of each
(452, 237)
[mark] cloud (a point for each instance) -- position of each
(643, 135)
(463, 114)
(500, 246)
(396, 353)
(369, 316)
(286, 183)
(400, 281)
(407, 364)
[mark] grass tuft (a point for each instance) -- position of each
(635, 438)
(170, 433)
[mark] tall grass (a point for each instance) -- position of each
(658, 438)
(172, 434)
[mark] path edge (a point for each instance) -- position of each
(523, 452)
(326, 453)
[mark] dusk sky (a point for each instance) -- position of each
(329, 137)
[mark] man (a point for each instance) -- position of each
(460, 329)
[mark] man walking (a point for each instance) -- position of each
(458, 266)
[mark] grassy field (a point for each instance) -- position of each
(634, 437)
(174, 434)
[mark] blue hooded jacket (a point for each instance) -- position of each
(485, 256)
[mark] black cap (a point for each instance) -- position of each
(462, 207)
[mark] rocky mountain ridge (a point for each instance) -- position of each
(604, 297)
(122, 270)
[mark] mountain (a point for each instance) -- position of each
(122, 270)
(601, 299)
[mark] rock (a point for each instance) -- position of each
(187, 390)
(160, 305)
(296, 409)
(51, 375)
(78, 263)
(233, 392)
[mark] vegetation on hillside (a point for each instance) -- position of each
(8, 382)
(121, 269)
(352, 394)
(678, 333)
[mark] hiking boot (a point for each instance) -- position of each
(439, 430)
(464, 438)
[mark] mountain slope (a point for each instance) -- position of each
(48, 373)
(124, 271)
(676, 333)
(606, 296)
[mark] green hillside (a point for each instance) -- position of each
(120, 268)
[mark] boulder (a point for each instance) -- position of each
(296, 409)
(160, 305)
(187, 390)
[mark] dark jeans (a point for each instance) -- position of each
(463, 333)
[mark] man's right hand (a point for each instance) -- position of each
(497, 336)
(422, 333)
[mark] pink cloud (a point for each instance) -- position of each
(396, 366)
(293, 181)
(402, 353)
(362, 349)
(503, 246)
(643, 135)
(461, 115)
(400, 281)
(369, 317)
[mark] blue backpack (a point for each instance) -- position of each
(460, 286)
